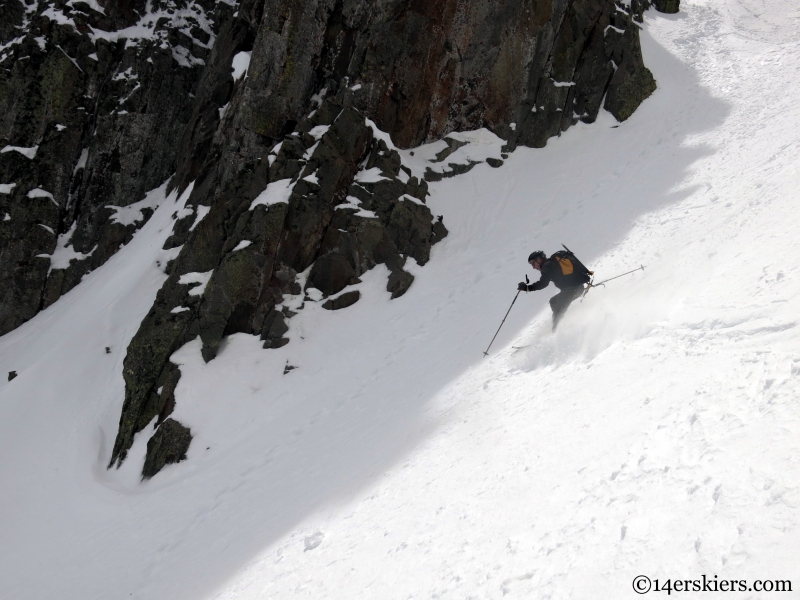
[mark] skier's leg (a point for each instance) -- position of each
(561, 301)
(558, 306)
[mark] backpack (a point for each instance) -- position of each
(570, 264)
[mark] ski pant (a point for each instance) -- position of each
(561, 301)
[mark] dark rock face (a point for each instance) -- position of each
(97, 114)
(631, 82)
(297, 188)
(667, 6)
(426, 69)
(168, 445)
(258, 237)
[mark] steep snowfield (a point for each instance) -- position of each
(657, 433)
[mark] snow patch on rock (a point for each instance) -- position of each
(199, 280)
(276, 192)
(26, 152)
(240, 64)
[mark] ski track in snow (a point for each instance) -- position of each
(656, 433)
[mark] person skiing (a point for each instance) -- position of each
(566, 272)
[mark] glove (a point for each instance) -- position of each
(522, 287)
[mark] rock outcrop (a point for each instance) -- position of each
(326, 205)
(667, 6)
(282, 120)
(168, 445)
(91, 106)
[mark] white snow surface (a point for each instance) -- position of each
(57, 16)
(133, 213)
(40, 193)
(202, 211)
(64, 254)
(317, 132)
(479, 145)
(352, 202)
(81, 164)
(276, 192)
(372, 175)
(26, 152)
(93, 4)
(240, 64)
(656, 433)
(201, 279)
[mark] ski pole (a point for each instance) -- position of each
(590, 285)
(504, 320)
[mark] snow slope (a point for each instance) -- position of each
(656, 433)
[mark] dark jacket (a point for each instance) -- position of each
(559, 273)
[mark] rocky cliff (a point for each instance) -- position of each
(92, 101)
(281, 125)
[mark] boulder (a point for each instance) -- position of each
(343, 301)
(331, 273)
(667, 6)
(399, 282)
(168, 445)
(274, 329)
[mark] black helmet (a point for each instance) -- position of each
(537, 254)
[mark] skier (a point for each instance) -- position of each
(566, 272)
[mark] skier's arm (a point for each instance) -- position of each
(543, 282)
